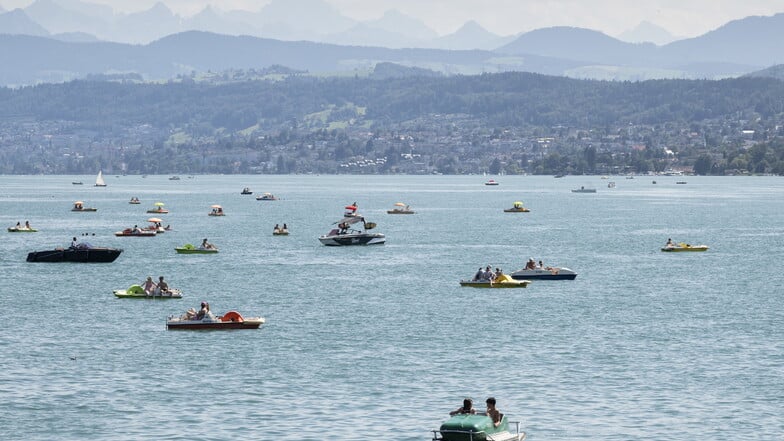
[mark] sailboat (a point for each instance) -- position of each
(99, 180)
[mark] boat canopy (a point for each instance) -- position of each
(518, 204)
(215, 206)
(350, 220)
(154, 219)
(159, 204)
(400, 204)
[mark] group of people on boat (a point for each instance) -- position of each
(25, 227)
(217, 211)
(532, 265)
(279, 230)
(156, 289)
(487, 274)
(206, 245)
(468, 409)
(134, 200)
(192, 314)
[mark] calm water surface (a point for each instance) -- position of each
(381, 342)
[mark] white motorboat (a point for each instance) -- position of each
(546, 273)
(344, 235)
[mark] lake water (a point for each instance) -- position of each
(381, 342)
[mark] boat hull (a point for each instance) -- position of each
(84, 209)
(486, 284)
(231, 320)
(124, 294)
(476, 427)
(695, 248)
(143, 233)
(400, 212)
(88, 255)
(516, 210)
(353, 239)
(182, 250)
(544, 274)
(21, 230)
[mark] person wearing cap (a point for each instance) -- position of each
(531, 264)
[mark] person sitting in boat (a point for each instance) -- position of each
(479, 275)
(190, 314)
(488, 275)
(27, 225)
(498, 273)
(77, 206)
(492, 412)
(343, 227)
(276, 229)
(163, 287)
(541, 265)
(74, 243)
(285, 229)
(206, 245)
(669, 243)
(531, 264)
(149, 286)
(18, 225)
(136, 229)
(466, 409)
(204, 312)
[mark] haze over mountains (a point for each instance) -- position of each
(70, 39)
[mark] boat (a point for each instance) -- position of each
(517, 207)
(477, 427)
(217, 210)
(18, 228)
(229, 320)
(559, 176)
(502, 281)
(191, 249)
(135, 232)
(134, 200)
(280, 231)
(156, 226)
(546, 273)
(137, 292)
(611, 184)
(344, 235)
(99, 182)
(491, 182)
(246, 190)
(401, 208)
(79, 206)
(80, 253)
(77, 182)
(174, 178)
(681, 182)
(584, 190)
(158, 209)
(683, 247)
(266, 197)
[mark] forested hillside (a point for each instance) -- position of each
(570, 113)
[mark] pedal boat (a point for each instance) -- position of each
(517, 208)
(477, 427)
(21, 230)
(129, 232)
(137, 292)
(503, 281)
(230, 320)
(190, 249)
(684, 247)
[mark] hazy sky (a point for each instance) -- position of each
(505, 17)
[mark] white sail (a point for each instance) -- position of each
(99, 180)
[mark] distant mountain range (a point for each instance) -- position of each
(58, 40)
